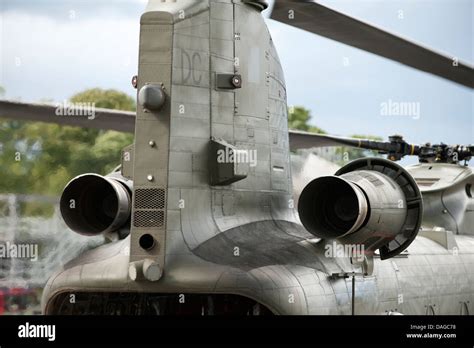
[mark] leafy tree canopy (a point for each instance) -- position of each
(299, 117)
(41, 158)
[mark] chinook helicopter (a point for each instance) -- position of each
(192, 230)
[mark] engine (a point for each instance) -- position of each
(370, 202)
(92, 204)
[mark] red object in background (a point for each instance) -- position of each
(2, 302)
(18, 296)
(20, 292)
(17, 291)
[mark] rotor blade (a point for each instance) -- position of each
(318, 19)
(306, 140)
(122, 121)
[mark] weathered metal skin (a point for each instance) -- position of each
(245, 238)
(448, 192)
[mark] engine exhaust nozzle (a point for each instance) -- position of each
(92, 204)
(332, 207)
(370, 202)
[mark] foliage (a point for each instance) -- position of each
(299, 117)
(40, 158)
(107, 99)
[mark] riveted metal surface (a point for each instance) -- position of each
(151, 160)
(242, 238)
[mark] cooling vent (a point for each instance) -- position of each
(149, 199)
(149, 218)
(149, 207)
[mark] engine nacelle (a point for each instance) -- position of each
(92, 204)
(370, 202)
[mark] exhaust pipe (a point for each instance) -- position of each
(332, 207)
(92, 204)
(370, 202)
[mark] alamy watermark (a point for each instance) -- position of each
(394, 108)
(18, 251)
(28, 330)
(237, 156)
(76, 109)
(354, 251)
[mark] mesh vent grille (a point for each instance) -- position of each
(149, 199)
(148, 218)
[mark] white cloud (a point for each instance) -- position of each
(45, 58)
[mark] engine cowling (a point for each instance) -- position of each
(92, 204)
(371, 202)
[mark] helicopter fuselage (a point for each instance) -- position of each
(210, 79)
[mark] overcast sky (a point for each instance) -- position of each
(51, 49)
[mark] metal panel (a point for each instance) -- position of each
(152, 138)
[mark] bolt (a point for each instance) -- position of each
(236, 81)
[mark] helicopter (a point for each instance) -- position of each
(193, 227)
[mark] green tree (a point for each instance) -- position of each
(107, 99)
(41, 158)
(299, 117)
(107, 145)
